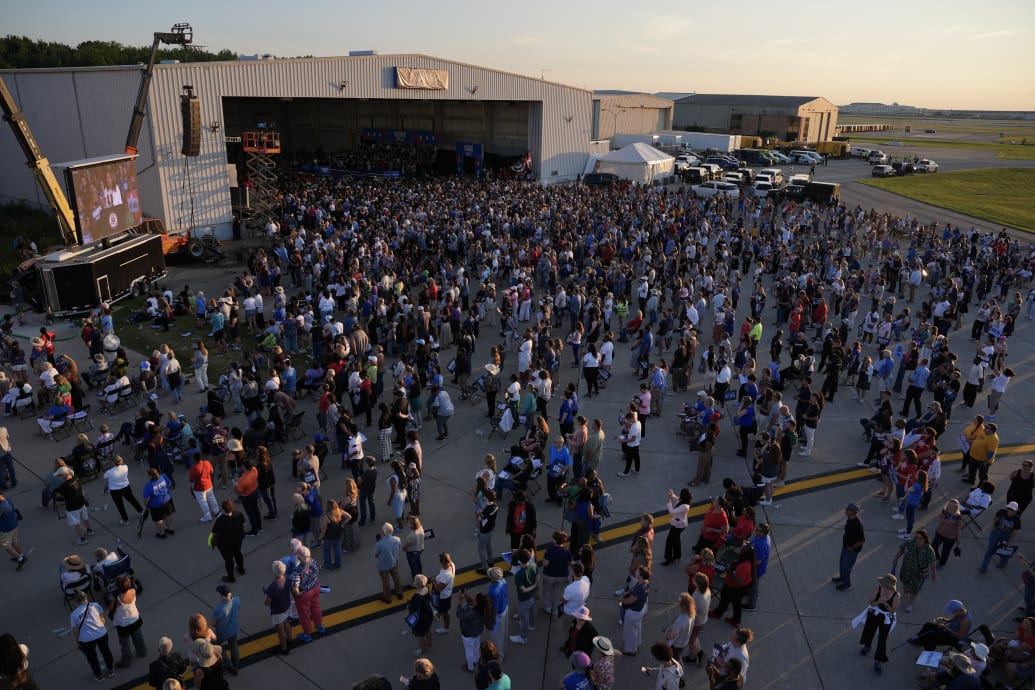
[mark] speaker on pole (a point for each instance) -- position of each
(190, 110)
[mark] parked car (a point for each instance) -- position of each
(761, 189)
(775, 174)
(901, 168)
(926, 166)
(717, 188)
(792, 192)
(780, 158)
(734, 177)
(723, 162)
(877, 158)
(882, 171)
(800, 178)
(685, 161)
(695, 175)
(859, 152)
(714, 170)
(601, 179)
(806, 157)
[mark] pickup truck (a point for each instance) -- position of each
(926, 166)
(800, 179)
(717, 188)
(882, 171)
(734, 177)
(877, 158)
(859, 152)
(685, 161)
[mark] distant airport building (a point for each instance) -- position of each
(878, 109)
(789, 118)
(473, 116)
(628, 112)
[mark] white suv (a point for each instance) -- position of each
(717, 188)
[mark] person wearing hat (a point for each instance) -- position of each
(604, 666)
(957, 672)
(581, 676)
(208, 671)
(851, 544)
(422, 614)
(73, 569)
(951, 628)
(879, 619)
(498, 593)
(77, 508)
(580, 633)
(226, 624)
(1005, 527)
(492, 384)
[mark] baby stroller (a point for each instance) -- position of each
(110, 572)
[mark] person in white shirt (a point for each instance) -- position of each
(116, 479)
(998, 388)
(577, 591)
(630, 441)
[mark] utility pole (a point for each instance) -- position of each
(542, 72)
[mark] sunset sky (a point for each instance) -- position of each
(947, 54)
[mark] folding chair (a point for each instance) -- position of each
(294, 426)
(972, 513)
(59, 429)
(105, 453)
(80, 419)
(24, 406)
(72, 589)
(532, 486)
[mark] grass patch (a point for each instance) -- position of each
(999, 195)
(1016, 152)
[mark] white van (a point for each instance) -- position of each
(775, 175)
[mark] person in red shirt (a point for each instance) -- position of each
(905, 476)
(736, 583)
(716, 525)
(745, 527)
(819, 317)
(247, 488)
(201, 484)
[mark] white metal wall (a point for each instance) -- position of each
(86, 112)
(74, 114)
(558, 115)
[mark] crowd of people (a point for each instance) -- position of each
(393, 293)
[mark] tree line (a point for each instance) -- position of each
(22, 52)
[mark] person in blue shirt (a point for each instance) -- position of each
(498, 593)
(226, 624)
(917, 385)
(762, 545)
(558, 465)
(581, 677)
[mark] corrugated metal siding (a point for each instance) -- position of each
(559, 128)
(75, 114)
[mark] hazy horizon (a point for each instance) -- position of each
(935, 55)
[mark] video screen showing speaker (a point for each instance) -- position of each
(105, 196)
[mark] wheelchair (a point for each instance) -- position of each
(106, 580)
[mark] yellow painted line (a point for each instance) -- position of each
(376, 607)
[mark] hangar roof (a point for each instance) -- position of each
(746, 100)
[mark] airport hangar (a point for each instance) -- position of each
(326, 104)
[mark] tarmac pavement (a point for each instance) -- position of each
(803, 637)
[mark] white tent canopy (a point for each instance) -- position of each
(636, 162)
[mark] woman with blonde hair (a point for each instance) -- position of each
(413, 545)
(677, 636)
(350, 508)
(200, 364)
(333, 517)
(948, 531)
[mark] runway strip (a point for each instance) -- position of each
(261, 645)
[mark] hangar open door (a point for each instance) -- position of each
(469, 159)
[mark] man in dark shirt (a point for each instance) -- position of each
(169, 664)
(1006, 526)
(851, 545)
(367, 485)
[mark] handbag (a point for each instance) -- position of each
(413, 619)
(1005, 550)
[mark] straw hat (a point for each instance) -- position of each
(492, 369)
(604, 645)
(234, 446)
(495, 574)
(961, 662)
(582, 614)
(205, 653)
(72, 562)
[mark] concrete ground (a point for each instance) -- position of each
(803, 637)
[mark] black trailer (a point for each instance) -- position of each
(77, 279)
(823, 192)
